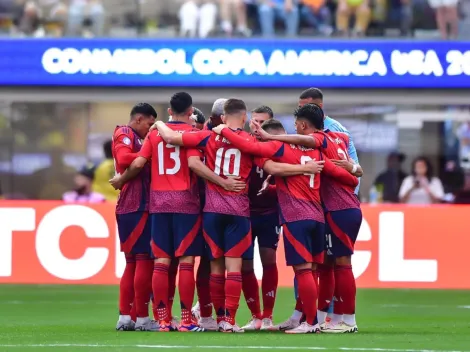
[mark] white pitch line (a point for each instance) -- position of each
(296, 348)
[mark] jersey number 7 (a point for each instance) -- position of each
(223, 161)
(303, 160)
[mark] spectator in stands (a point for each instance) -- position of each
(30, 21)
(7, 9)
(347, 8)
(227, 9)
(391, 179)
(86, 18)
(82, 192)
(421, 187)
(54, 16)
(317, 15)
(446, 17)
(285, 10)
(104, 172)
(400, 12)
(197, 18)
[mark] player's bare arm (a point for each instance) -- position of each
(131, 172)
(232, 184)
(350, 166)
(168, 134)
(339, 173)
(284, 169)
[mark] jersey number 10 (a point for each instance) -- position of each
(223, 161)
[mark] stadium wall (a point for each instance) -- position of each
(48, 242)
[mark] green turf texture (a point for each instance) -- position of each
(388, 320)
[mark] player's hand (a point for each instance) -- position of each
(259, 132)
(233, 184)
(345, 164)
(116, 182)
(218, 129)
(265, 186)
(315, 167)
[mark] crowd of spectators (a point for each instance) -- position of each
(234, 18)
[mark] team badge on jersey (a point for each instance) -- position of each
(126, 141)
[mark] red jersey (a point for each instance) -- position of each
(299, 196)
(267, 202)
(173, 187)
(225, 160)
(134, 195)
(336, 195)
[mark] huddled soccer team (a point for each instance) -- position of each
(208, 190)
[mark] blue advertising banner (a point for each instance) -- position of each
(234, 63)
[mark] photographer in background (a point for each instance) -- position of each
(421, 187)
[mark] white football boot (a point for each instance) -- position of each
(252, 325)
(339, 328)
(227, 327)
(125, 323)
(266, 324)
(196, 311)
(289, 324)
(145, 324)
(305, 328)
(208, 323)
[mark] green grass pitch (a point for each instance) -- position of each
(82, 318)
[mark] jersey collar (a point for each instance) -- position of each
(178, 122)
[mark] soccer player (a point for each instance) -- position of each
(216, 114)
(343, 219)
(264, 224)
(301, 211)
(227, 228)
(132, 221)
(175, 210)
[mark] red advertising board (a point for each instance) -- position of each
(44, 242)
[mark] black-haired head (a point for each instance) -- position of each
(199, 116)
(143, 109)
(312, 115)
(273, 126)
(311, 95)
(181, 104)
(108, 149)
(263, 109)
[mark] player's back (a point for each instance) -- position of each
(335, 194)
(299, 196)
(227, 161)
(134, 195)
(265, 203)
(173, 187)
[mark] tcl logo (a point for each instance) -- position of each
(53, 243)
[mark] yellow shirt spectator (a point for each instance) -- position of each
(103, 173)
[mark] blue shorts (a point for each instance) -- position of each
(266, 229)
(134, 232)
(228, 236)
(342, 228)
(304, 240)
(176, 235)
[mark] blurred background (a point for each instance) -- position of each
(48, 133)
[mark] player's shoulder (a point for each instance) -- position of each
(120, 130)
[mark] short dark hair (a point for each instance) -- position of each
(144, 109)
(200, 118)
(429, 168)
(272, 124)
(180, 102)
(234, 106)
(263, 109)
(108, 149)
(313, 93)
(311, 113)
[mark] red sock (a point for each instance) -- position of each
(233, 291)
(308, 294)
(154, 307)
(251, 292)
(126, 286)
(133, 312)
(217, 287)
(315, 277)
(269, 289)
(203, 290)
(186, 287)
(172, 272)
(160, 290)
(143, 284)
(326, 286)
(298, 304)
(345, 291)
